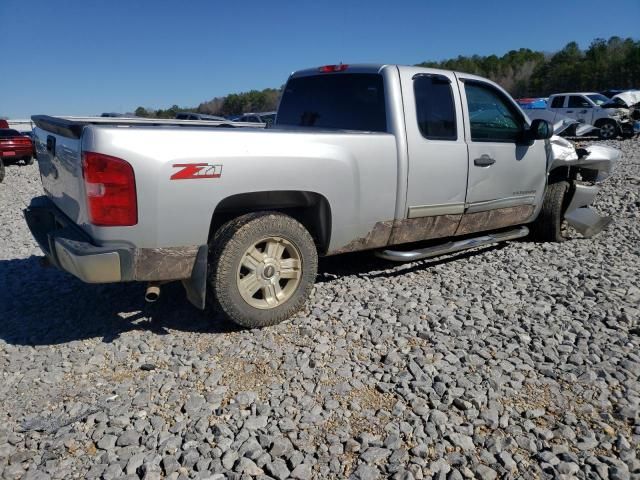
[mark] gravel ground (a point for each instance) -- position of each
(515, 361)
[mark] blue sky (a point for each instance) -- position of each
(79, 57)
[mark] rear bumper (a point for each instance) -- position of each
(69, 248)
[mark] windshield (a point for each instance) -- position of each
(351, 101)
(598, 99)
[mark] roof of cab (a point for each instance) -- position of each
(349, 68)
(377, 68)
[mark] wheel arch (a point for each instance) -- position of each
(311, 209)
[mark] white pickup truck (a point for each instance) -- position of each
(594, 109)
(360, 157)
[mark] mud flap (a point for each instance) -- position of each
(196, 285)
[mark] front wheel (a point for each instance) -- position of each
(608, 130)
(548, 226)
(263, 266)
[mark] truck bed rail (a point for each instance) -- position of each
(71, 127)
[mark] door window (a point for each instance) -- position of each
(576, 101)
(558, 102)
(434, 107)
(492, 117)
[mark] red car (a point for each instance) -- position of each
(13, 147)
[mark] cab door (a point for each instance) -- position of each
(437, 177)
(507, 175)
(580, 108)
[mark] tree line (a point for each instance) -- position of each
(233, 104)
(605, 64)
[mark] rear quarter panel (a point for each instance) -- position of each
(356, 172)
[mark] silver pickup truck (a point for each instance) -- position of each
(379, 157)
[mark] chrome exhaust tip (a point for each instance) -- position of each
(152, 293)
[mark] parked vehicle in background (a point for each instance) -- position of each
(532, 103)
(611, 92)
(364, 157)
(595, 109)
(263, 117)
(14, 147)
(4, 123)
(198, 116)
(626, 99)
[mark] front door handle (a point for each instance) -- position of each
(569, 111)
(484, 161)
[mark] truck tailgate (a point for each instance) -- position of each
(60, 163)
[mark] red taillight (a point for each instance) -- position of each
(111, 190)
(333, 68)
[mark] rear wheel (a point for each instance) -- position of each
(1, 170)
(263, 266)
(548, 226)
(28, 160)
(608, 129)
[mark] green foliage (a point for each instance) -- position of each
(141, 112)
(613, 63)
(233, 104)
(239, 103)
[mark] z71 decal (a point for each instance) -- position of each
(189, 171)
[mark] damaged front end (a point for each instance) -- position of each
(585, 168)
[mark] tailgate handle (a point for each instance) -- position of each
(51, 144)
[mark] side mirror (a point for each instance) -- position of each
(540, 129)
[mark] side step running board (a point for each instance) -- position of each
(451, 247)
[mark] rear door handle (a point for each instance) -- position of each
(569, 111)
(484, 161)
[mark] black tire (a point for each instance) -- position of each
(1, 170)
(28, 160)
(229, 247)
(608, 129)
(548, 226)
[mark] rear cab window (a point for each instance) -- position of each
(557, 102)
(341, 101)
(435, 110)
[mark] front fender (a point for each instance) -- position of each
(595, 158)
